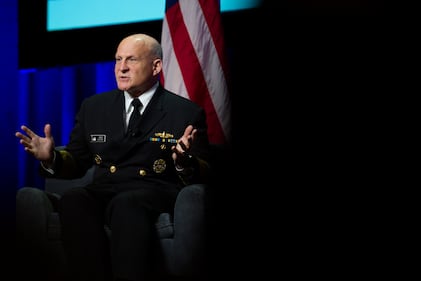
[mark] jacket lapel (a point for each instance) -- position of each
(117, 123)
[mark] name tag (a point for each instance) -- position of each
(98, 138)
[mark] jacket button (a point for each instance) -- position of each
(142, 172)
(113, 169)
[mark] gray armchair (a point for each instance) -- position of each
(180, 249)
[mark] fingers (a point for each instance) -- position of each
(184, 143)
(31, 134)
(182, 147)
(188, 131)
(47, 130)
(28, 131)
(27, 137)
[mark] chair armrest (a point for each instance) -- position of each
(59, 186)
(33, 209)
(189, 228)
(189, 209)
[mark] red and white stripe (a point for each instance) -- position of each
(194, 64)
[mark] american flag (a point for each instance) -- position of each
(194, 63)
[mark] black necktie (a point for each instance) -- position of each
(134, 118)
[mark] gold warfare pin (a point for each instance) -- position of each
(163, 137)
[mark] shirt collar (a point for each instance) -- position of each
(144, 98)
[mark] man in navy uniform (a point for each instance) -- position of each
(141, 165)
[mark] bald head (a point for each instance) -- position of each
(149, 45)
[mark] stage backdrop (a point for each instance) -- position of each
(9, 110)
(53, 96)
